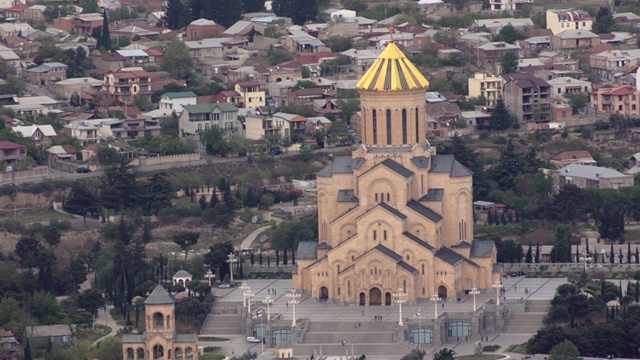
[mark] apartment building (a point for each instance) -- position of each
(574, 39)
(559, 20)
(80, 23)
(127, 83)
(196, 119)
(612, 63)
(251, 93)
(128, 129)
(529, 99)
(486, 85)
(623, 100)
(510, 5)
(175, 101)
(563, 86)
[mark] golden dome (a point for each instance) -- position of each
(392, 71)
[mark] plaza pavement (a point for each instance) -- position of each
(539, 289)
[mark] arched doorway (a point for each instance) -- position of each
(387, 298)
(375, 296)
(324, 294)
(442, 292)
(362, 299)
(158, 352)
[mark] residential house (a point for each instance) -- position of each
(133, 31)
(574, 39)
(257, 127)
(10, 348)
(61, 153)
(80, 23)
(623, 100)
(474, 118)
(251, 93)
(559, 20)
(107, 104)
(79, 86)
(11, 152)
(613, 63)
(231, 97)
(319, 123)
(175, 101)
(430, 6)
(491, 53)
(196, 119)
(56, 334)
(41, 135)
(31, 105)
(127, 83)
(529, 99)
(299, 124)
(82, 130)
(35, 13)
(203, 29)
(216, 48)
(14, 29)
(361, 60)
(244, 28)
(304, 97)
(135, 57)
(339, 14)
(495, 25)
(626, 18)
(580, 157)
(442, 117)
(486, 85)
(126, 129)
(535, 44)
(327, 107)
(563, 86)
(16, 12)
(561, 114)
(5, 4)
(586, 176)
(10, 57)
(110, 61)
(510, 5)
(300, 42)
(47, 73)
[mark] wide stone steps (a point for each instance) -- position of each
(394, 351)
(349, 337)
(332, 326)
(223, 324)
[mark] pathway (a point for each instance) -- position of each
(104, 318)
(248, 241)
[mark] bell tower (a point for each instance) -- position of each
(393, 103)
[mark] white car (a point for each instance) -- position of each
(253, 339)
(224, 286)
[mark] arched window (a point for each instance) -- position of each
(388, 127)
(338, 267)
(376, 197)
(422, 269)
(375, 127)
(408, 257)
(384, 234)
(388, 197)
(404, 285)
(417, 127)
(375, 235)
(404, 126)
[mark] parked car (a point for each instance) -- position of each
(253, 339)
(276, 151)
(83, 170)
(224, 286)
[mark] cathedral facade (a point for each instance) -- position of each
(393, 215)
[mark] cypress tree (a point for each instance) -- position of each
(588, 252)
(260, 258)
(285, 258)
(252, 259)
(27, 350)
(595, 256)
(496, 219)
(537, 258)
(490, 218)
(637, 256)
(637, 291)
(106, 36)
(277, 257)
(612, 256)
(577, 255)
(628, 252)
(293, 257)
(529, 257)
(504, 218)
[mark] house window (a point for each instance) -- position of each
(216, 116)
(417, 127)
(564, 114)
(620, 107)
(633, 107)
(375, 130)
(388, 127)
(559, 91)
(404, 126)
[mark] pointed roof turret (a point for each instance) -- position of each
(392, 71)
(159, 296)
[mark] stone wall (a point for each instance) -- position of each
(555, 268)
(33, 173)
(149, 161)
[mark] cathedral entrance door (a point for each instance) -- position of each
(362, 299)
(158, 352)
(442, 292)
(375, 296)
(387, 298)
(324, 294)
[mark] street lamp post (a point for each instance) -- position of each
(294, 298)
(268, 301)
(232, 260)
(249, 294)
(244, 287)
(419, 328)
(435, 298)
(400, 298)
(586, 258)
(497, 285)
(474, 291)
(209, 275)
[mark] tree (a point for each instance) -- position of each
(51, 236)
(564, 351)
(577, 101)
(106, 36)
(529, 257)
(253, 5)
(28, 249)
(500, 118)
(223, 12)
(444, 354)
(509, 63)
(215, 142)
(110, 349)
(561, 251)
(509, 34)
(298, 10)
(604, 21)
(81, 201)
(537, 258)
(77, 271)
(413, 355)
(91, 301)
(185, 240)
(176, 16)
(217, 256)
(177, 60)
(27, 350)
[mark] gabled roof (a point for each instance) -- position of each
(433, 195)
(419, 241)
(481, 249)
(420, 161)
(424, 211)
(307, 250)
(447, 163)
(591, 172)
(8, 145)
(159, 296)
(395, 256)
(339, 165)
(347, 196)
(449, 256)
(28, 131)
(207, 108)
(180, 95)
(392, 210)
(397, 168)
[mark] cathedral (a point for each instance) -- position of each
(394, 215)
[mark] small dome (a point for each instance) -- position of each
(392, 71)
(182, 274)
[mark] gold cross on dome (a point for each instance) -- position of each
(392, 30)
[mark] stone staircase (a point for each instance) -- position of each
(222, 320)
(531, 320)
(369, 338)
